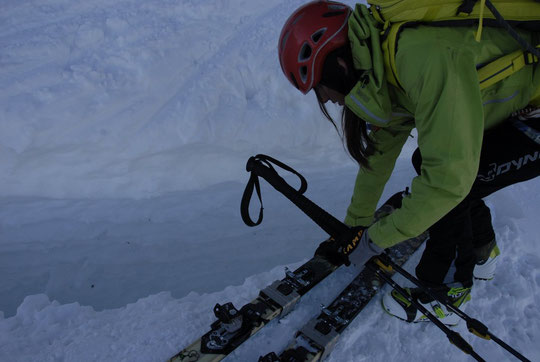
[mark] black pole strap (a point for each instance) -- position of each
(246, 200)
(253, 183)
(261, 166)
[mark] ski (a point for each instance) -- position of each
(234, 326)
(317, 338)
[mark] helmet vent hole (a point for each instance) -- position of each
(303, 73)
(305, 53)
(317, 35)
(336, 7)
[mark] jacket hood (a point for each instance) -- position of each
(370, 98)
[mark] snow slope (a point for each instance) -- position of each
(125, 130)
(138, 99)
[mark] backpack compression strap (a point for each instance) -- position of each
(504, 67)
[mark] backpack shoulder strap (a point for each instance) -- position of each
(488, 75)
(389, 47)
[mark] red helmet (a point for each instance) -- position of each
(309, 35)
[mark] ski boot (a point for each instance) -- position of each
(486, 261)
(398, 306)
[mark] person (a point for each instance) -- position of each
(472, 142)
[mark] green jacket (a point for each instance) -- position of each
(442, 99)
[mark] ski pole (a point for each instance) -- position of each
(473, 325)
(454, 337)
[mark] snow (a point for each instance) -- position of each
(125, 130)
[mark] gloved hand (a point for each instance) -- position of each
(355, 247)
(364, 251)
(328, 249)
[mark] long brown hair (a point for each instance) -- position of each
(355, 134)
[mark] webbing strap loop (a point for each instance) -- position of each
(530, 58)
(263, 164)
(246, 200)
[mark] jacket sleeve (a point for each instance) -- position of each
(443, 86)
(370, 183)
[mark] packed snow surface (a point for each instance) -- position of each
(126, 126)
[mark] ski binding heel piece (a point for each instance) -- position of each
(282, 294)
(321, 333)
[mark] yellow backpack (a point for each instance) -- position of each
(395, 15)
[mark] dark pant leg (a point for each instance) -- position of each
(508, 157)
(442, 245)
(450, 240)
(482, 228)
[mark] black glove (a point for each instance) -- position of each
(355, 247)
(328, 249)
